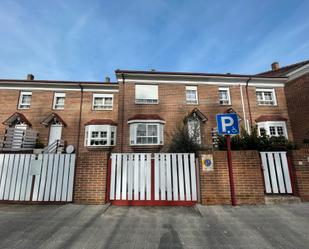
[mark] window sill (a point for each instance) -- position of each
(148, 145)
(99, 147)
(262, 105)
(102, 109)
(136, 103)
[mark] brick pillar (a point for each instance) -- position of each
(90, 178)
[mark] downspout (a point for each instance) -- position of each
(80, 116)
(243, 107)
(78, 135)
(122, 112)
(248, 100)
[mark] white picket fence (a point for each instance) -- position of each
(276, 173)
(53, 177)
(174, 177)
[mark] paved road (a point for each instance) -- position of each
(78, 226)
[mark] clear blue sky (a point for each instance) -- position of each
(88, 40)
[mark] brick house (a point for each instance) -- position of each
(63, 110)
(152, 103)
(297, 96)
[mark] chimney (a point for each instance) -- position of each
(275, 66)
(107, 79)
(30, 77)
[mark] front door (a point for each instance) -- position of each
(54, 133)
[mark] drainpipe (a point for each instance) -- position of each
(80, 117)
(122, 112)
(78, 134)
(243, 107)
(248, 100)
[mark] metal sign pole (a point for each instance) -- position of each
(230, 166)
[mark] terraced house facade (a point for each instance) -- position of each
(139, 112)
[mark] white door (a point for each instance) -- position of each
(54, 133)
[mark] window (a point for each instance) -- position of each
(102, 101)
(194, 130)
(59, 99)
(146, 94)
(191, 95)
(272, 129)
(100, 135)
(144, 133)
(224, 96)
(24, 100)
(266, 97)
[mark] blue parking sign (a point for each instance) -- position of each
(227, 124)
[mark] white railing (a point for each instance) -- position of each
(56, 147)
(51, 176)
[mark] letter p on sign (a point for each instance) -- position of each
(227, 124)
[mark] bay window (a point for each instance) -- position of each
(146, 133)
(100, 135)
(272, 129)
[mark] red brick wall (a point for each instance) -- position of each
(249, 186)
(90, 178)
(42, 106)
(297, 94)
(172, 107)
(300, 162)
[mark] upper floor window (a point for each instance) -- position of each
(272, 129)
(266, 97)
(224, 96)
(191, 95)
(146, 94)
(59, 99)
(100, 135)
(102, 101)
(24, 100)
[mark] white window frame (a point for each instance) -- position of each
(133, 132)
(148, 101)
(266, 125)
(58, 95)
(24, 105)
(263, 90)
(192, 101)
(103, 107)
(228, 95)
(109, 129)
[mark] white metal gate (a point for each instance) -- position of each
(276, 173)
(40, 178)
(165, 179)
